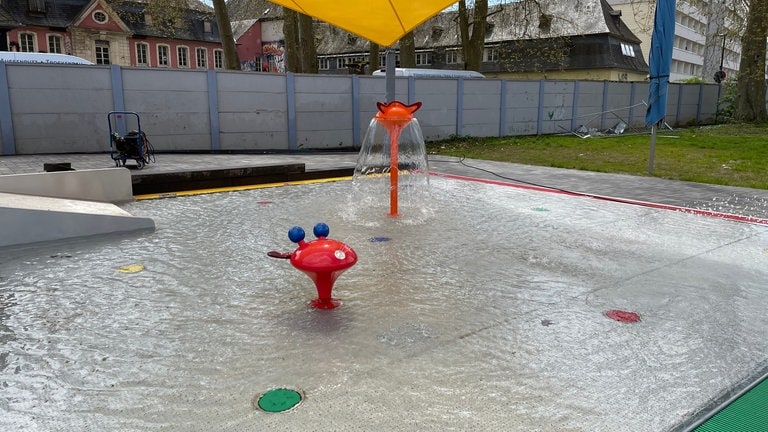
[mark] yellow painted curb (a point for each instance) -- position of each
(236, 188)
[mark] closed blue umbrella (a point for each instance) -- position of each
(660, 63)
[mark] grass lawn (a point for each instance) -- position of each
(730, 154)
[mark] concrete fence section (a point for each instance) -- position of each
(63, 108)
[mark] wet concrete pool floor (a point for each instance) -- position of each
(490, 314)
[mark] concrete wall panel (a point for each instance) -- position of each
(260, 121)
(57, 77)
(161, 81)
(247, 101)
(268, 140)
(61, 133)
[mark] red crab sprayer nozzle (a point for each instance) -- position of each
(394, 116)
(323, 260)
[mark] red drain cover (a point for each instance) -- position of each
(623, 316)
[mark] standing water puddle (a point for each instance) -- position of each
(483, 312)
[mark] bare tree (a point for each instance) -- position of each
(292, 40)
(750, 99)
(308, 47)
(300, 46)
(473, 33)
(373, 57)
(407, 51)
(231, 60)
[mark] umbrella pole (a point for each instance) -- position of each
(390, 74)
(393, 135)
(653, 148)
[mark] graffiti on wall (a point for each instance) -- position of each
(274, 53)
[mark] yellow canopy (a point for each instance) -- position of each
(381, 21)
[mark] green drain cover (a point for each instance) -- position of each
(279, 400)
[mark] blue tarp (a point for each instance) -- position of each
(660, 62)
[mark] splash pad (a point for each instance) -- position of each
(500, 325)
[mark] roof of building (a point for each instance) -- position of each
(589, 29)
(6, 18)
(241, 10)
(509, 21)
(190, 28)
(63, 13)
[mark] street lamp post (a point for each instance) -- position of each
(719, 77)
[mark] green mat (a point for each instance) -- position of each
(748, 413)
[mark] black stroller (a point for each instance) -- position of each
(134, 145)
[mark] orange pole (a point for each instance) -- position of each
(394, 134)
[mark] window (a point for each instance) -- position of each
(36, 6)
(383, 59)
(27, 42)
(490, 55)
(201, 54)
(545, 23)
(142, 54)
(163, 58)
(341, 63)
(102, 52)
(323, 63)
(182, 55)
(627, 49)
(100, 17)
(55, 44)
(252, 65)
(452, 57)
(218, 59)
(423, 58)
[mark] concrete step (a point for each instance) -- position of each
(31, 219)
(145, 182)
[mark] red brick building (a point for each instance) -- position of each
(121, 33)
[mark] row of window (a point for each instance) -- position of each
(28, 43)
(686, 68)
(627, 49)
(690, 22)
(182, 56)
(490, 54)
(689, 45)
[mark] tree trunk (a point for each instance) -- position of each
(308, 48)
(407, 51)
(292, 44)
(473, 33)
(373, 58)
(231, 60)
(750, 100)
(477, 40)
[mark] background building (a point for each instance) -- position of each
(705, 36)
(122, 33)
(571, 39)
